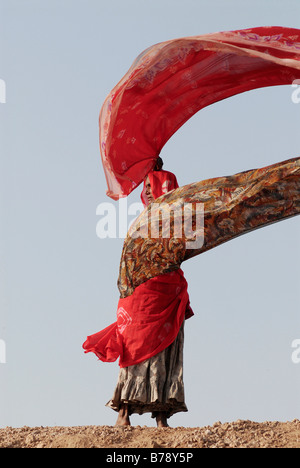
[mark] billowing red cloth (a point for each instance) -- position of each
(171, 81)
(148, 321)
(161, 183)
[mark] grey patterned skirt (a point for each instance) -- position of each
(154, 385)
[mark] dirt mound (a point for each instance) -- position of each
(238, 434)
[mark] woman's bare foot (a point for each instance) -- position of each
(123, 418)
(161, 419)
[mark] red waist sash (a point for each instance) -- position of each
(148, 321)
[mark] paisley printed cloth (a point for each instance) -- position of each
(208, 213)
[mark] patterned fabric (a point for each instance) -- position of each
(209, 213)
(154, 385)
(171, 81)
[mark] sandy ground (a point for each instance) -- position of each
(238, 434)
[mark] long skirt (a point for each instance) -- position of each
(154, 385)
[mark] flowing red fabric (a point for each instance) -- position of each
(148, 321)
(161, 183)
(171, 81)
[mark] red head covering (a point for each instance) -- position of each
(161, 182)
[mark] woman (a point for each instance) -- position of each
(156, 384)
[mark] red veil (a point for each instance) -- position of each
(171, 81)
(161, 183)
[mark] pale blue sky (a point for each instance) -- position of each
(59, 59)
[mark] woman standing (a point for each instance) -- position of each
(148, 336)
